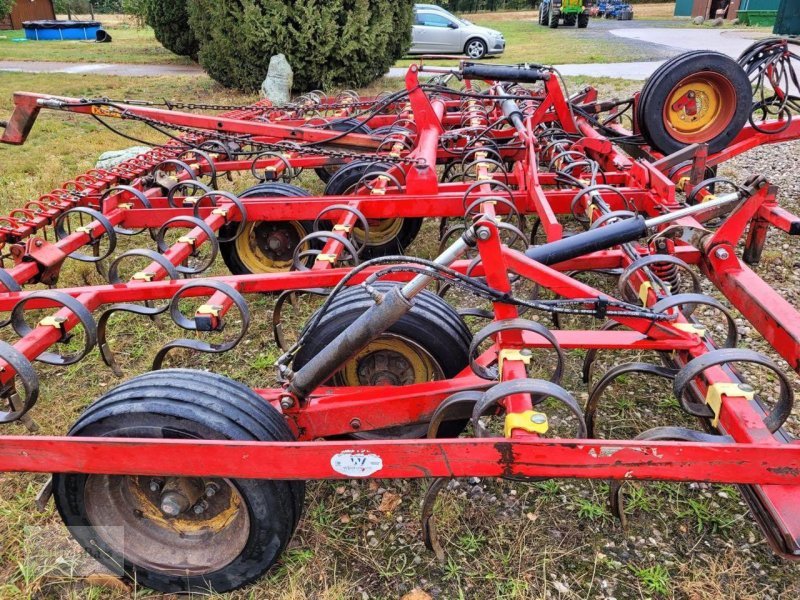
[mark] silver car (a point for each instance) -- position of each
(437, 31)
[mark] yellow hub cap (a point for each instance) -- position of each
(693, 107)
(700, 107)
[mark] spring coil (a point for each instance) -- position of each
(669, 274)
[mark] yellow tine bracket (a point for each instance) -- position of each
(523, 355)
(708, 198)
(530, 421)
(331, 258)
(718, 390)
(209, 309)
(698, 330)
(643, 289)
(143, 276)
(52, 321)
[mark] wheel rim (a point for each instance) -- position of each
(268, 246)
(381, 231)
(390, 360)
(700, 107)
(127, 515)
(475, 49)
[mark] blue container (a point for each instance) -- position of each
(60, 30)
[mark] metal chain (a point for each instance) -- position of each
(304, 107)
(280, 147)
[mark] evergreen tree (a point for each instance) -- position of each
(170, 22)
(327, 42)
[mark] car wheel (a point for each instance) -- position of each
(475, 48)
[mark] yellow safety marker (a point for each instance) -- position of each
(331, 258)
(530, 421)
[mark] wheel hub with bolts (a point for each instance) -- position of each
(179, 494)
(275, 241)
(385, 368)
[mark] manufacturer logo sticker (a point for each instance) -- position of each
(356, 463)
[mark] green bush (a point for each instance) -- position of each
(327, 42)
(136, 9)
(6, 6)
(169, 20)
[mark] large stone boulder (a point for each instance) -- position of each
(277, 87)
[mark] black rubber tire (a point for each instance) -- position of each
(649, 84)
(583, 20)
(483, 45)
(228, 250)
(656, 93)
(185, 403)
(346, 124)
(570, 20)
(347, 177)
(431, 323)
(552, 20)
(544, 16)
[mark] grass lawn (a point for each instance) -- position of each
(129, 45)
(526, 41)
(551, 539)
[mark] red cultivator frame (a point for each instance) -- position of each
(385, 372)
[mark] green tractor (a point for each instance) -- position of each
(571, 12)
